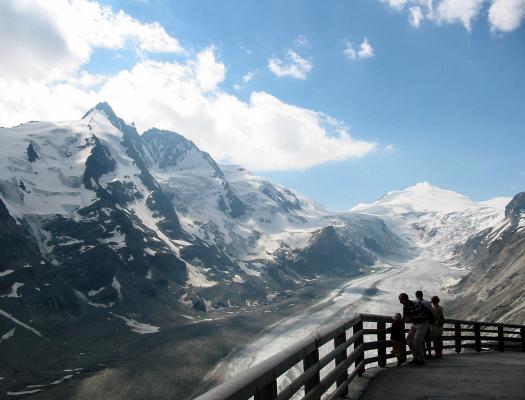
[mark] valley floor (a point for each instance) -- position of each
(172, 364)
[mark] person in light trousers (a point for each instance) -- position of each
(413, 312)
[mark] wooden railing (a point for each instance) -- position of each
(329, 359)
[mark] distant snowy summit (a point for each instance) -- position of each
(424, 197)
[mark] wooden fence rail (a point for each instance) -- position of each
(334, 355)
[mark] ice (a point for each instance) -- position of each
(237, 279)
(61, 380)
(449, 281)
(249, 271)
(139, 327)
(115, 284)
(149, 251)
(24, 392)
(7, 335)
(6, 272)
(18, 322)
(116, 241)
(92, 293)
(197, 277)
(14, 291)
(149, 275)
(83, 297)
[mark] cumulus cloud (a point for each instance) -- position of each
(261, 133)
(52, 38)
(293, 66)
(365, 50)
(503, 15)
(462, 11)
(506, 15)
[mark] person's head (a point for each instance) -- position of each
(403, 298)
(419, 294)
(397, 317)
(435, 300)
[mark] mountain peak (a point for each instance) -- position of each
(516, 206)
(421, 197)
(108, 112)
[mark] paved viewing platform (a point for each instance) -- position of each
(480, 376)
(346, 352)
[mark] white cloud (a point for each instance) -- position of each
(294, 66)
(503, 15)
(416, 16)
(209, 72)
(506, 15)
(248, 76)
(463, 11)
(349, 51)
(365, 50)
(47, 39)
(262, 133)
(397, 4)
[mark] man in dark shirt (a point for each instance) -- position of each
(428, 305)
(414, 313)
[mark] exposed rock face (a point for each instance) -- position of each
(170, 151)
(327, 253)
(493, 290)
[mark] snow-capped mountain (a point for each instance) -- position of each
(110, 221)
(434, 219)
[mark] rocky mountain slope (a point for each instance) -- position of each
(493, 290)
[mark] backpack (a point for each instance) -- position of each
(429, 314)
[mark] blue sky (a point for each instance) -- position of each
(440, 98)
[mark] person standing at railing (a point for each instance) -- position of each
(437, 328)
(413, 312)
(431, 320)
(397, 337)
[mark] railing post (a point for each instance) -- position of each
(477, 337)
(356, 329)
(310, 360)
(457, 337)
(338, 340)
(381, 338)
(269, 392)
(501, 339)
(522, 331)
